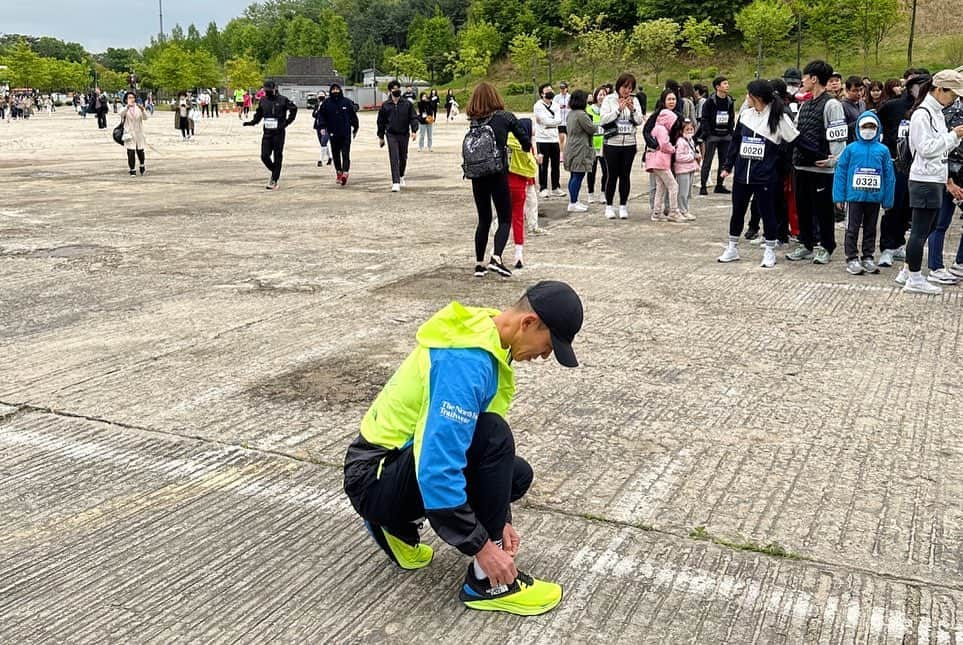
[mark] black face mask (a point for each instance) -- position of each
(335, 95)
(549, 96)
(396, 93)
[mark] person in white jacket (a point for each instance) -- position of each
(931, 143)
(547, 120)
(620, 116)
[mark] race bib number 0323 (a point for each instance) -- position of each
(867, 179)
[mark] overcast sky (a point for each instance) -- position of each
(99, 24)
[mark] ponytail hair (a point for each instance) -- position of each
(925, 88)
(764, 91)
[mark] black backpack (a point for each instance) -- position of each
(904, 156)
(480, 153)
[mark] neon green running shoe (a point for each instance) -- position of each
(527, 596)
(405, 555)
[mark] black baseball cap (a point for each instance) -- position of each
(792, 74)
(560, 309)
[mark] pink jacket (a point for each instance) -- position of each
(661, 159)
(685, 157)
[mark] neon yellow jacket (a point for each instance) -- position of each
(520, 162)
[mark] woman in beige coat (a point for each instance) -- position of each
(133, 117)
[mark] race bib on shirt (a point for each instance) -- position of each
(867, 179)
(837, 131)
(270, 123)
(752, 148)
(625, 126)
(722, 118)
(903, 131)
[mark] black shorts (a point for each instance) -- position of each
(562, 129)
(924, 194)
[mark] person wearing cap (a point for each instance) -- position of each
(277, 112)
(953, 116)
(793, 79)
(336, 117)
(560, 101)
(930, 142)
(435, 444)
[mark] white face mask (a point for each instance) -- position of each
(868, 134)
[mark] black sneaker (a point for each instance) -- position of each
(703, 192)
(496, 266)
(320, 163)
(272, 185)
(751, 234)
(518, 264)
(722, 190)
(143, 170)
(133, 173)
(329, 162)
(480, 271)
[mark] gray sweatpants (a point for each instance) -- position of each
(685, 180)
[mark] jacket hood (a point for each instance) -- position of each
(869, 115)
(666, 119)
(460, 327)
(334, 85)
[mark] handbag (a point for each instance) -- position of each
(118, 133)
(429, 120)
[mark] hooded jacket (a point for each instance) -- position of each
(753, 130)
(337, 116)
(277, 107)
(866, 159)
(432, 402)
(661, 159)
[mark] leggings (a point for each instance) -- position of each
(599, 162)
(130, 157)
(764, 197)
(551, 152)
(575, 185)
(619, 160)
(665, 183)
(485, 190)
(922, 224)
(341, 152)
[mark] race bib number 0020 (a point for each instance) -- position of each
(867, 179)
(837, 131)
(752, 148)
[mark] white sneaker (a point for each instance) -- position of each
(886, 258)
(623, 212)
(902, 276)
(689, 217)
(677, 217)
(609, 212)
(768, 257)
(544, 194)
(918, 285)
(402, 181)
(731, 254)
(942, 276)
(658, 217)
(592, 199)
(558, 192)
(957, 270)
(396, 188)
(577, 207)
(900, 253)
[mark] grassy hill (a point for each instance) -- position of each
(934, 52)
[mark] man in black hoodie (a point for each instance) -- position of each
(718, 122)
(337, 117)
(396, 117)
(278, 113)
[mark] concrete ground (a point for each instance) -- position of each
(745, 456)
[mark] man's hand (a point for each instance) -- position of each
(497, 564)
(840, 205)
(959, 131)
(825, 163)
(724, 174)
(247, 123)
(413, 136)
(511, 540)
(381, 142)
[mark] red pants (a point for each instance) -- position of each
(791, 203)
(516, 190)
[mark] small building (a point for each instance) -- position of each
(305, 76)
(374, 78)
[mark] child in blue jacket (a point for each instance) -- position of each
(864, 180)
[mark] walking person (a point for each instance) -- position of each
(324, 138)
(865, 179)
(435, 444)
(203, 99)
(753, 160)
(953, 115)
(547, 121)
(239, 102)
(215, 96)
(182, 116)
(485, 162)
(277, 112)
(100, 108)
(658, 163)
(449, 102)
(595, 112)
(247, 101)
(560, 104)
(579, 149)
(427, 111)
(822, 138)
(522, 170)
(133, 116)
(336, 118)
(621, 115)
(688, 161)
(930, 142)
(718, 123)
(396, 118)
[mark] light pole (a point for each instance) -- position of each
(160, 11)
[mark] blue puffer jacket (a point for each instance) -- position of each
(865, 158)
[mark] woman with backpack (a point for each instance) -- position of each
(579, 151)
(620, 116)
(930, 144)
(485, 162)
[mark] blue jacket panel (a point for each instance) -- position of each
(859, 155)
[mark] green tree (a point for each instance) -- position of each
(432, 41)
(212, 41)
(240, 38)
(469, 61)
(65, 75)
(193, 38)
(170, 68)
(48, 47)
(303, 37)
(596, 45)
(483, 37)
(242, 73)
(715, 11)
(876, 18)
(765, 25)
(25, 67)
(120, 60)
(407, 66)
(835, 24)
(177, 33)
(697, 35)
(205, 69)
(510, 18)
(526, 53)
(655, 42)
(276, 65)
(339, 44)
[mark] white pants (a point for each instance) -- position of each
(531, 206)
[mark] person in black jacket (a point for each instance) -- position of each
(753, 159)
(278, 113)
(396, 118)
(337, 118)
(486, 106)
(718, 122)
